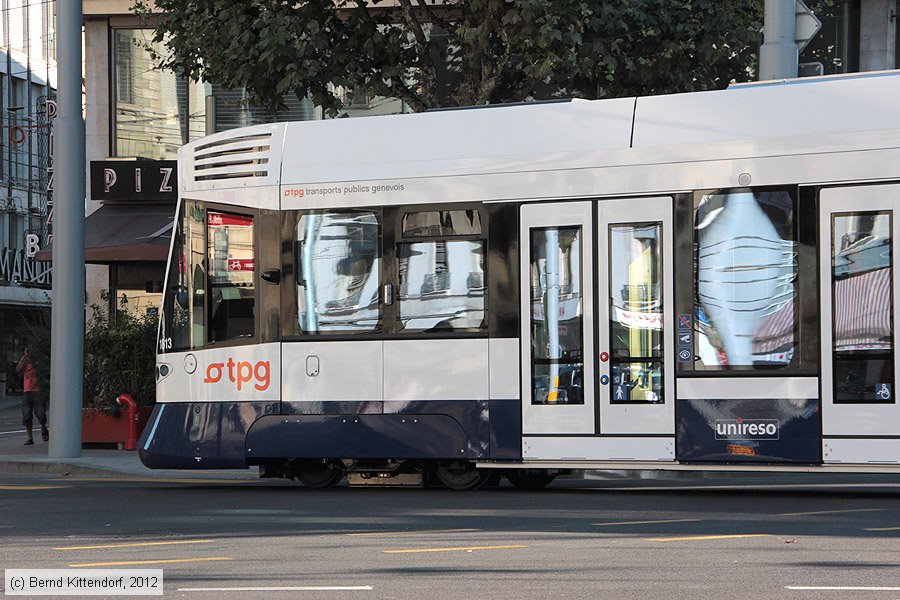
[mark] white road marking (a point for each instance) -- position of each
(844, 588)
(830, 512)
(12, 432)
(708, 537)
(413, 532)
(649, 522)
(303, 588)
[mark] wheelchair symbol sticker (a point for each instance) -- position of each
(884, 391)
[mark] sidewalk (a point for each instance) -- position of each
(14, 457)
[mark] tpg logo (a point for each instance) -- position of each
(240, 373)
(746, 429)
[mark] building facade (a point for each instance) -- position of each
(27, 84)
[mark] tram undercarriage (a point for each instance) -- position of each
(456, 475)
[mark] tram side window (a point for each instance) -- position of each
(231, 290)
(862, 308)
(636, 313)
(339, 272)
(745, 244)
(557, 346)
(184, 301)
(441, 268)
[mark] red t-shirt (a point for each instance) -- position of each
(30, 379)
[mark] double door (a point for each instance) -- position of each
(597, 352)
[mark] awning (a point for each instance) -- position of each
(118, 233)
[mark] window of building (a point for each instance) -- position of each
(745, 268)
(155, 111)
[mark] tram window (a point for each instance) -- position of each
(231, 291)
(636, 312)
(745, 245)
(339, 272)
(557, 347)
(862, 308)
(441, 223)
(441, 285)
(183, 303)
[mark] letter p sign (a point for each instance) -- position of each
(109, 179)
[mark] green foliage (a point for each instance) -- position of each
(468, 52)
(119, 357)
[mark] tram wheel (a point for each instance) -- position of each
(461, 476)
(320, 476)
(530, 479)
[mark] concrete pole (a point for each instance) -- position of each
(779, 55)
(67, 335)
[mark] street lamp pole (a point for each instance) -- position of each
(67, 335)
(778, 56)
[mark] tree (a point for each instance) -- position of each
(434, 53)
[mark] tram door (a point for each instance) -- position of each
(587, 373)
(858, 228)
(636, 348)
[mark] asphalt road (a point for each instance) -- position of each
(640, 539)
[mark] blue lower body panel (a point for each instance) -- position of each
(364, 436)
(199, 435)
(758, 430)
(230, 435)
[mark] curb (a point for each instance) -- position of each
(55, 467)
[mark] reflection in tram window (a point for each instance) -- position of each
(175, 322)
(636, 316)
(441, 285)
(863, 299)
(557, 349)
(441, 223)
(338, 272)
(746, 268)
(230, 287)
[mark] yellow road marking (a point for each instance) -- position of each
(155, 480)
(137, 544)
(882, 529)
(151, 562)
(461, 549)
(32, 487)
(707, 537)
(649, 522)
(413, 532)
(830, 512)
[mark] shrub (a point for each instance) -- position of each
(119, 357)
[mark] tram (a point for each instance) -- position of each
(692, 281)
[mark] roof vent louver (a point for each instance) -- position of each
(241, 157)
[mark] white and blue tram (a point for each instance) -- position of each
(691, 281)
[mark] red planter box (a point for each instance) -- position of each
(101, 428)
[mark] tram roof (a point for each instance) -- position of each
(744, 119)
